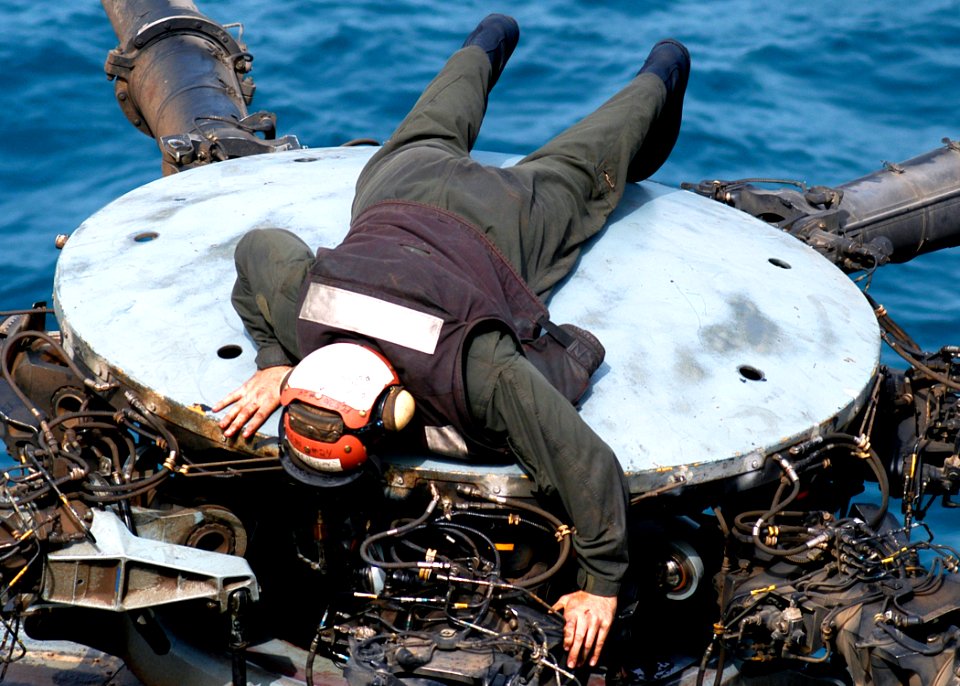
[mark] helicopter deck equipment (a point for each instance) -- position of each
(726, 339)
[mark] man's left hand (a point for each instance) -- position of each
(587, 620)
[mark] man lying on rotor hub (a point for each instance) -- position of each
(439, 285)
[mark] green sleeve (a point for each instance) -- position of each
(560, 452)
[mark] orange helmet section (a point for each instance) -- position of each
(346, 453)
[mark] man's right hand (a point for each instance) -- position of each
(253, 402)
(587, 619)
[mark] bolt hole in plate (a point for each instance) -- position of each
(229, 352)
(145, 236)
(750, 373)
(777, 262)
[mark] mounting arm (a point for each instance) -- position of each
(892, 215)
(181, 78)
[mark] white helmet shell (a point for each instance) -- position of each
(346, 377)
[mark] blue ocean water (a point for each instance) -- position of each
(814, 91)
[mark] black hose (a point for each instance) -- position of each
(398, 531)
(56, 348)
(887, 322)
(898, 636)
(486, 539)
(564, 538)
(775, 510)
(883, 482)
(705, 661)
(137, 488)
(502, 518)
(311, 657)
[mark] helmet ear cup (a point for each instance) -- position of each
(398, 408)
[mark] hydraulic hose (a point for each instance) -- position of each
(862, 448)
(561, 531)
(859, 447)
(397, 531)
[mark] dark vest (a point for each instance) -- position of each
(415, 281)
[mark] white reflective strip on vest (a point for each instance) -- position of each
(372, 317)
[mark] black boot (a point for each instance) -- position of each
(670, 61)
(497, 34)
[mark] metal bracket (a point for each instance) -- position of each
(122, 572)
(121, 60)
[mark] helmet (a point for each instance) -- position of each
(336, 401)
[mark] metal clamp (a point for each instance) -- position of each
(121, 60)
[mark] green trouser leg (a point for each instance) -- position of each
(538, 212)
(271, 267)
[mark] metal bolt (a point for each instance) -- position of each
(61, 240)
(672, 574)
(754, 464)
